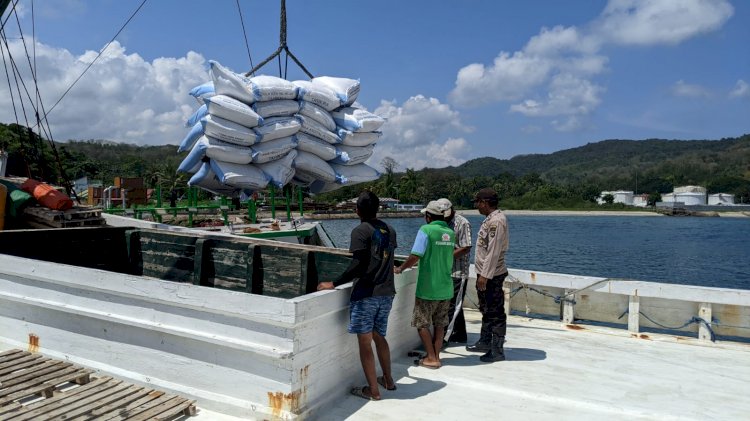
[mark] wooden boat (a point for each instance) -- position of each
(236, 324)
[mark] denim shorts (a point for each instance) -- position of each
(370, 314)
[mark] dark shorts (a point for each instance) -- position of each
(370, 314)
(430, 313)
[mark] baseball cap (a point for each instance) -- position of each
(434, 208)
(486, 194)
(447, 205)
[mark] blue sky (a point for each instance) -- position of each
(456, 80)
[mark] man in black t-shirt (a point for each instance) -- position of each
(373, 244)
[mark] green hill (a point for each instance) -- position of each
(570, 178)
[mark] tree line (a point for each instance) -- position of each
(568, 179)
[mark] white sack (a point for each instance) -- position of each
(201, 92)
(193, 135)
(238, 175)
(357, 119)
(227, 152)
(278, 127)
(317, 94)
(311, 165)
(280, 171)
(318, 147)
(349, 138)
(229, 131)
(226, 82)
(201, 112)
(206, 179)
(269, 88)
(193, 159)
(355, 154)
(317, 113)
(234, 110)
(346, 89)
(354, 174)
(273, 149)
(276, 108)
(313, 128)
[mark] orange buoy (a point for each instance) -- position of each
(46, 195)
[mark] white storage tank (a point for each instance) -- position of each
(667, 198)
(690, 198)
(623, 196)
(721, 199)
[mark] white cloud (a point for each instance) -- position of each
(553, 76)
(740, 90)
(122, 97)
(510, 77)
(649, 22)
(680, 88)
(416, 134)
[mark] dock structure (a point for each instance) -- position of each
(555, 371)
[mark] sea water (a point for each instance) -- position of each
(681, 250)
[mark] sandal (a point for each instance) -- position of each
(360, 391)
(420, 362)
(381, 381)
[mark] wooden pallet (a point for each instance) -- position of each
(41, 217)
(69, 394)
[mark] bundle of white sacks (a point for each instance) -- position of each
(250, 132)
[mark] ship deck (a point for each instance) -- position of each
(555, 372)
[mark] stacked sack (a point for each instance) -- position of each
(252, 132)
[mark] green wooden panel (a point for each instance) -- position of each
(285, 271)
(225, 264)
(330, 266)
(91, 247)
(167, 256)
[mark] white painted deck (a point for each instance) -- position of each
(556, 373)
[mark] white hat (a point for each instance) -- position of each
(434, 208)
(447, 205)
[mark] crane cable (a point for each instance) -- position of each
(282, 47)
(96, 58)
(247, 45)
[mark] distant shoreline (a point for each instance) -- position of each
(474, 212)
(564, 213)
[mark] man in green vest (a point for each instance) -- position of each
(433, 249)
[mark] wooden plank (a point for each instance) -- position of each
(80, 406)
(6, 411)
(568, 308)
(634, 314)
(22, 363)
(22, 376)
(65, 395)
(131, 394)
(157, 410)
(9, 352)
(704, 312)
(147, 402)
(285, 271)
(20, 358)
(62, 402)
(166, 256)
(44, 384)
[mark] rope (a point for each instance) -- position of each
(693, 320)
(95, 58)
(242, 22)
